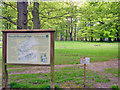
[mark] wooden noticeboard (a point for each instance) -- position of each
(28, 47)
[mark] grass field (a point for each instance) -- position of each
(69, 53)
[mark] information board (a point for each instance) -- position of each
(28, 48)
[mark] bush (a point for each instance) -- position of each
(115, 87)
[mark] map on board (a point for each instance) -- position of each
(31, 48)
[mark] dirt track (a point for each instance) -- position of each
(97, 66)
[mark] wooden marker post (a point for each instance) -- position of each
(84, 74)
(85, 60)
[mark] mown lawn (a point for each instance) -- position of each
(70, 52)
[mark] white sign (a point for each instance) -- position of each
(32, 48)
(85, 60)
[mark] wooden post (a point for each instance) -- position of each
(52, 60)
(84, 74)
(4, 68)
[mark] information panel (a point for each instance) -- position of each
(28, 48)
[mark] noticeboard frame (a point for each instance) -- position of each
(4, 53)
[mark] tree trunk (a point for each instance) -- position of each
(85, 38)
(91, 36)
(117, 33)
(71, 31)
(75, 33)
(22, 15)
(101, 40)
(91, 39)
(118, 37)
(115, 39)
(35, 13)
(109, 39)
(66, 36)
(61, 37)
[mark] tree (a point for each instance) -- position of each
(35, 13)
(103, 16)
(22, 15)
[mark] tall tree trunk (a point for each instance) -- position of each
(22, 15)
(109, 39)
(77, 36)
(75, 33)
(61, 36)
(66, 36)
(115, 39)
(91, 36)
(85, 38)
(35, 13)
(71, 31)
(118, 36)
(101, 40)
(117, 33)
(91, 39)
(66, 33)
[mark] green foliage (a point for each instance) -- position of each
(18, 85)
(27, 86)
(99, 19)
(93, 19)
(115, 87)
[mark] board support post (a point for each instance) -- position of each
(52, 61)
(4, 67)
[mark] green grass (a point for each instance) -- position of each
(67, 52)
(112, 71)
(63, 75)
